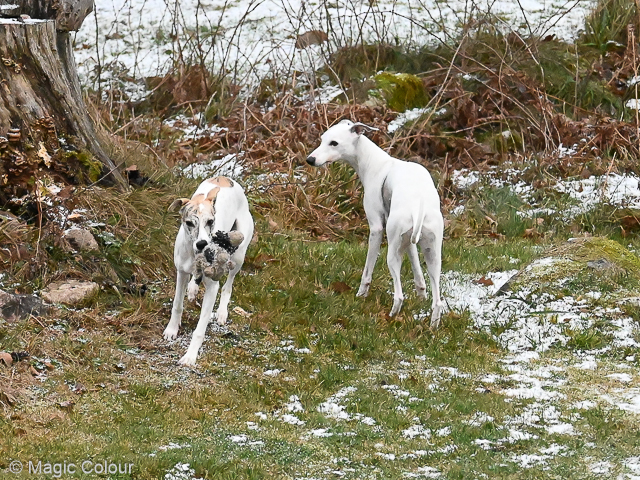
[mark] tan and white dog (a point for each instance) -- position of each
(218, 205)
(399, 195)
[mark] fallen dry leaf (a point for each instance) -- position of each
(78, 388)
(273, 225)
(531, 233)
(242, 312)
(484, 281)
(339, 287)
(6, 358)
(67, 405)
(7, 396)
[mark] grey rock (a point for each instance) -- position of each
(81, 240)
(16, 307)
(69, 292)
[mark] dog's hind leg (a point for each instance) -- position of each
(418, 276)
(395, 252)
(171, 332)
(210, 294)
(431, 245)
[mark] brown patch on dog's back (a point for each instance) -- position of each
(223, 182)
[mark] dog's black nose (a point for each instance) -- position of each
(200, 244)
(311, 161)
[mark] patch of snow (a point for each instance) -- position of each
(416, 431)
(529, 322)
(617, 190)
(588, 364)
(256, 39)
(633, 464)
(173, 446)
(479, 419)
(244, 440)
(408, 116)
(628, 400)
(333, 409)
(529, 460)
(294, 404)
(423, 472)
(633, 104)
(386, 456)
(323, 95)
(292, 419)
(585, 405)
(229, 166)
(181, 471)
(601, 468)
(621, 377)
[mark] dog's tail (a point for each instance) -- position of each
(417, 223)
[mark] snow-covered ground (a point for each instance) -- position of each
(255, 38)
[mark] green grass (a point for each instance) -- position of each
(406, 398)
(398, 374)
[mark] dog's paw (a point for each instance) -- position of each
(397, 305)
(192, 290)
(435, 318)
(221, 317)
(170, 333)
(187, 360)
(363, 291)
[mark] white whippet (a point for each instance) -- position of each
(219, 204)
(398, 194)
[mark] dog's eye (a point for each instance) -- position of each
(190, 224)
(333, 143)
(209, 223)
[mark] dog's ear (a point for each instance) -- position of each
(177, 204)
(213, 193)
(359, 128)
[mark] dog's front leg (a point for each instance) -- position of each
(209, 299)
(171, 332)
(375, 239)
(225, 295)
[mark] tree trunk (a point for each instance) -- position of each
(44, 124)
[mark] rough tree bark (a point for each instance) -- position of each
(45, 128)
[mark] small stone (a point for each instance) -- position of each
(79, 239)
(69, 292)
(15, 307)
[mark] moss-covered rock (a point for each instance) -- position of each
(92, 168)
(581, 266)
(400, 91)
